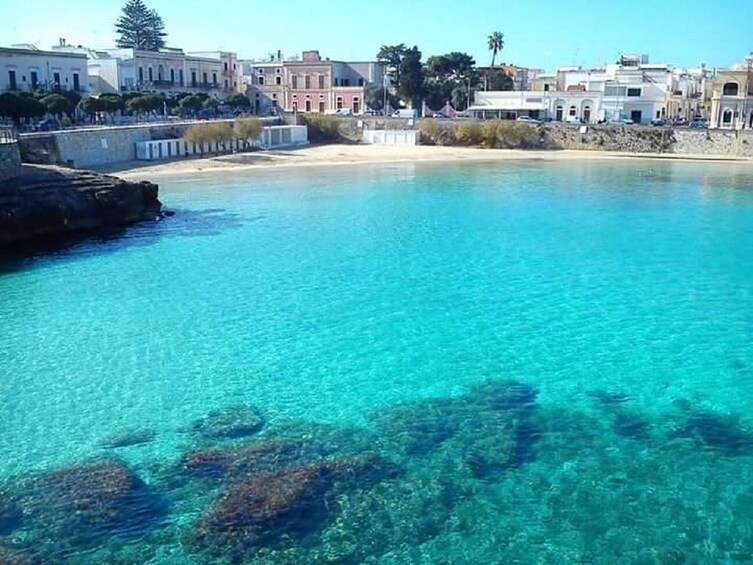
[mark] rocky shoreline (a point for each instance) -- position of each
(47, 203)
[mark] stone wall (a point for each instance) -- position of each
(92, 147)
(713, 142)
(10, 160)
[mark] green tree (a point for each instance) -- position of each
(450, 78)
(374, 97)
(210, 103)
(495, 42)
(91, 105)
(191, 104)
(56, 104)
(112, 103)
(391, 56)
(140, 28)
(146, 103)
(411, 85)
(499, 80)
(237, 100)
(20, 106)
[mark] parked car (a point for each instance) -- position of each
(698, 123)
(680, 122)
(372, 113)
(621, 122)
(438, 115)
(405, 113)
(528, 120)
(659, 122)
(49, 123)
(344, 112)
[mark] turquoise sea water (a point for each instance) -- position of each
(556, 358)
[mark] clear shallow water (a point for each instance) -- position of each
(343, 302)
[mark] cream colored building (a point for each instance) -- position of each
(24, 67)
(732, 97)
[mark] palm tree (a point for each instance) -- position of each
(496, 44)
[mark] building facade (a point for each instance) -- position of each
(28, 68)
(308, 84)
(168, 71)
(732, 97)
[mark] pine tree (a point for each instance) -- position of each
(140, 28)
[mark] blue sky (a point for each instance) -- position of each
(538, 33)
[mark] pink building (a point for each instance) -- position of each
(309, 84)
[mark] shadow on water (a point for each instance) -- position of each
(184, 223)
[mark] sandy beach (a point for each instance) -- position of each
(337, 155)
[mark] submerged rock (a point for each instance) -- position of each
(288, 503)
(488, 427)
(718, 433)
(631, 426)
(609, 398)
(127, 438)
(83, 503)
(14, 555)
(10, 514)
(229, 423)
(249, 459)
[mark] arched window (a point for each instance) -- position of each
(587, 114)
(727, 117)
(730, 89)
(172, 75)
(559, 113)
(572, 112)
(160, 72)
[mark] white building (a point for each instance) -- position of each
(631, 89)
(24, 67)
(169, 71)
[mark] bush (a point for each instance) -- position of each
(247, 129)
(323, 128)
(470, 133)
(66, 122)
(430, 131)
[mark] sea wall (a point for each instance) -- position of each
(10, 160)
(97, 146)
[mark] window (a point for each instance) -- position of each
(308, 105)
(193, 78)
(339, 104)
(34, 79)
(278, 80)
(225, 65)
(360, 82)
(260, 79)
(204, 76)
(356, 105)
(226, 84)
(214, 79)
(321, 82)
(321, 107)
(274, 97)
(546, 88)
(180, 76)
(294, 79)
(150, 72)
(634, 92)
(261, 71)
(76, 82)
(278, 71)
(559, 113)
(172, 75)
(344, 82)
(160, 72)
(572, 112)
(235, 66)
(337, 82)
(587, 114)
(307, 82)
(730, 89)
(727, 117)
(56, 79)
(141, 74)
(12, 80)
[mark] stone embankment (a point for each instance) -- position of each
(45, 202)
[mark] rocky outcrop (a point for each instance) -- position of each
(50, 202)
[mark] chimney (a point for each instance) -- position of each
(279, 55)
(62, 41)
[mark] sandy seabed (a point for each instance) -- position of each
(334, 155)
